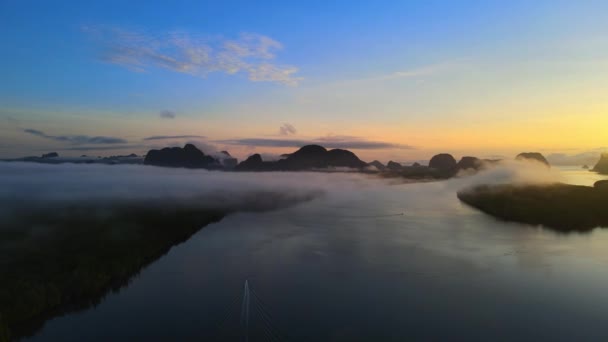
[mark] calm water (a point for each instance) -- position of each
(349, 267)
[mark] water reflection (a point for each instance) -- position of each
(440, 271)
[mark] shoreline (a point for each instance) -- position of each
(73, 270)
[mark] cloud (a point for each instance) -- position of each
(343, 142)
(167, 114)
(413, 73)
(167, 137)
(103, 148)
(508, 172)
(77, 139)
(190, 53)
(287, 129)
(102, 188)
(426, 70)
(589, 158)
(11, 120)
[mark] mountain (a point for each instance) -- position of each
(188, 157)
(306, 158)
(469, 163)
(378, 165)
(254, 163)
(444, 163)
(393, 165)
(533, 156)
(602, 164)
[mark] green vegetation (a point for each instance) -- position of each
(58, 260)
(559, 206)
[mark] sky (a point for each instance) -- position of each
(389, 80)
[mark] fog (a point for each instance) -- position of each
(40, 187)
(508, 172)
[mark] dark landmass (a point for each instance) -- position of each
(310, 157)
(466, 163)
(254, 163)
(54, 158)
(586, 167)
(533, 156)
(443, 162)
(187, 157)
(601, 185)
(441, 166)
(562, 207)
(393, 165)
(378, 165)
(307, 158)
(56, 261)
(602, 165)
(228, 162)
(65, 253)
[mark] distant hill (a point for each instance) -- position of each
(444, 164)
(308, 157)
(393, 165)
(533, 156)
(467, 163)
(55, 158)
(187, 157)
(602, 164)
(378, 165)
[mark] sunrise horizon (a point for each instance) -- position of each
(466, 82)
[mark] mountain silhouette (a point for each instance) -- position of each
(308, 157)
(188, 157)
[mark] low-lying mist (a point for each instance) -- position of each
(508, 172)
(40, 190)
(30, 189)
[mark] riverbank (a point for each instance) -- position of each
(562, 207)
(69, 259)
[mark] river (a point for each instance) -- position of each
(398, 262)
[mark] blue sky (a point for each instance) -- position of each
(408, 73)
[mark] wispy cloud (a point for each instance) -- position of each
(426, 70)
(287, 129)
(166, 137)
(415, 73)
(11, 120)
(77, 139)
(588, 158)
(102, 148)
(194, 54)
(167, 114)
(344, 142)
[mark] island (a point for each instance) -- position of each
(534, 156)
(314, 158)
(562, 207)
(309, 157)
(602, 165)
(55, 158)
